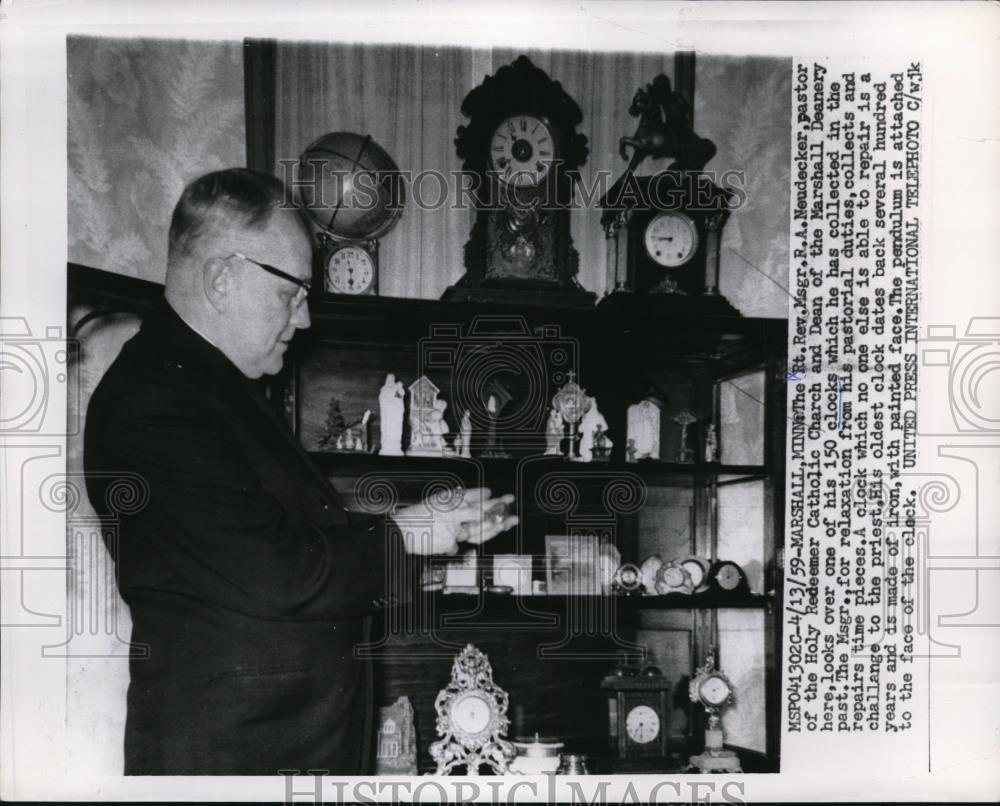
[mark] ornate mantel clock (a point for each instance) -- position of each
(472, 718)
(523, 153)
(713, 690)
(663, 231)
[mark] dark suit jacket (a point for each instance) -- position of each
(244, 574)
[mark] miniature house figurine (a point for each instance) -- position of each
(425, 416)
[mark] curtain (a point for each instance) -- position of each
(409, 99)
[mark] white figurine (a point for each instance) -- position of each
(591, 421)
(711, 444)
(390, 405)
(554, 434)
(439, 428)
(465, 436)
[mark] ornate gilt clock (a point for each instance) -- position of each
(523, 153)
(472, 718)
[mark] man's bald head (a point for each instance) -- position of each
(224, 223)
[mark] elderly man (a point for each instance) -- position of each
(246, 578)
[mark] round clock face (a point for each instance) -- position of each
(728, 577)
(471, 714)
(671, 239)
(642, 724)
(673, 576)
(350, 270)
(522, 150)
(714, 690)
(628, 577)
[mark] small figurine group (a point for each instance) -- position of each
(428, 427)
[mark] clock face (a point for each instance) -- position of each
(671, 239)
(714, 690)
(471, 714)
(642, 725)
(350, 270)
(522, 150)
(728, 576)
(628, 577)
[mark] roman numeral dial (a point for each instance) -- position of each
(522, 150)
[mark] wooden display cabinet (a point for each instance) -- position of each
(552, 652)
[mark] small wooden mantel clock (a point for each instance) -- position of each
(638, 718)
(523, 154)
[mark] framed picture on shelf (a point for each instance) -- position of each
(573, 565)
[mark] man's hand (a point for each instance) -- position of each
(439, 524)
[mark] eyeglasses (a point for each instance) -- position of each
(304, 285)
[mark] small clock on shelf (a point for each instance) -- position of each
(638, 719)
(351, 268)
(352, 195)
(712, 689)
(728, 578)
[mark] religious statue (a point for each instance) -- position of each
(439, 428)
(711, 444)
(464, 438)
(390, 404)
(592, 422)
(685, 420)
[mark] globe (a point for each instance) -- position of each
(350, 187)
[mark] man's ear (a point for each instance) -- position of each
(218, 279)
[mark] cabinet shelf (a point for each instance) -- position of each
(360, 463)
(510, 603)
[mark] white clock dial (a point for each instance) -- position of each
(642, 724)
(671, 239)
(714, 691)
(471, 714)
(522, 150)
(351, 270)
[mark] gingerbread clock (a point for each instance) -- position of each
(522, 152)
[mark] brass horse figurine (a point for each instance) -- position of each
(664, 130)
